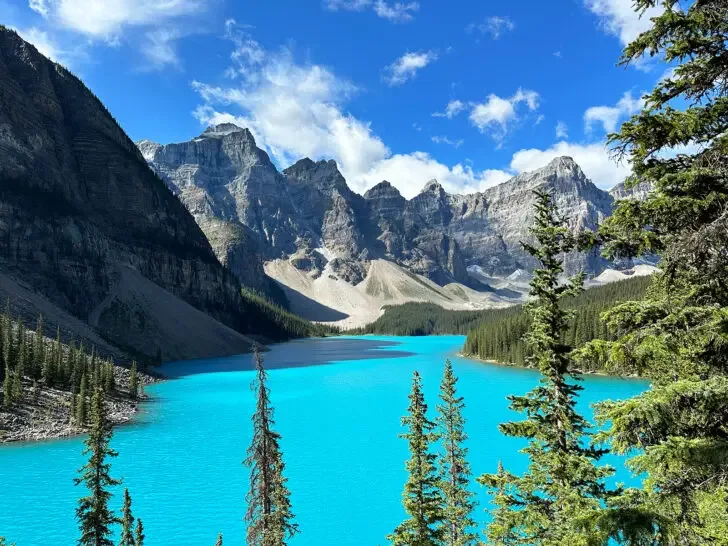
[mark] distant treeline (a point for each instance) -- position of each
(421, 319)
(499, 335)
(279, 324)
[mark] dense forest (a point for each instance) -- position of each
(36, 371)
(499, 334)
(421, 319)
(279, 324)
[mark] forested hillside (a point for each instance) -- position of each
(499, 335)
(421, 319)
(277, 323)
(47, 385)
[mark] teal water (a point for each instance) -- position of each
(338, 406)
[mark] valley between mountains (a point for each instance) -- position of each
(120, 251)
(339, 257)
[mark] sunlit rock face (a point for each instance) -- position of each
(307, 212)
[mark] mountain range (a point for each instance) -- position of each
(90, 237)
(151, 261)
(307, 217)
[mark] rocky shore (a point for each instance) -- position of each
(46, 412)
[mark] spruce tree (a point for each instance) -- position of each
(81, 403)
(127, 522)
(269, 517)
(678, 335)
(455, 474)
(139, 533)
(556, 501)
(38, 349)
(17, 387)
(8, 387)
(422, 499)
(218, 542)
(133, 381)
(8, 357)
(93, 513)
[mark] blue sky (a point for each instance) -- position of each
(466, 91)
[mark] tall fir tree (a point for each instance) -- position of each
(127, 522)
(455, 474)
(218, 542)
(557, 500)
(81, 412)
(269, 518)
(139, 535)
(422, 499)
(38, 349)
(93, 513)
(8, 356)
(678, 334)
(8, 387)
(133, 381)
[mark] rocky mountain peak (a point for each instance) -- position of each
(223, 129)
(383, 190)
(433, 186)
(323, 175)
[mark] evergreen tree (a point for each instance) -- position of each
(680, 331)
(38, 349)
(422, 499)
(559, 497)
(218, 542)
(139, 533)
(17, 387)
(269, 517)
(133, 381)
(81, 403)
(455, 475)
(8, 336)
(93, 513)
(8, 387)
(127, 522)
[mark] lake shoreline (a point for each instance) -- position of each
(475, 358)
(45, 413)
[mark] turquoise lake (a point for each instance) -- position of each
(338, 406)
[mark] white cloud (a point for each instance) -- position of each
(609, 116)
(594, 159)
(494, 26)
(619, 18)
(410, 172)
(39, 6)
(497, 113)
(453, 108)
(158, 48)
(407, 65)
(562, 131)
(445, 140)
(110, 20)
(296, 110)
(397, 12)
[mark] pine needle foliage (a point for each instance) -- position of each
(269, 517)
(560, 495)
(679, 332)
(422, 498)
(93, 514)
(455, 474)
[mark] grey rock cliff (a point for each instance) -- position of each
(79, 205)
(309, 214)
